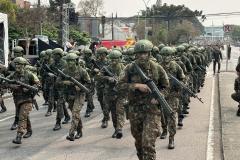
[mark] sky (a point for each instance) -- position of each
(132, 7)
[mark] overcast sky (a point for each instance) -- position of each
(131, 7)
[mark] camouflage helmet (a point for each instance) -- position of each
(57, 51)
(143, 46)
(201, 49)
(115, 54)
(155, 49)
(186, 45)
(18, 49)
(49, 51)
(42, 54)
(71, 56)
(87, 51)
(102, 50)
(65, 53)
(192, 49)
(20, 60)
(130, 51)
(160, 46)
(180, 48)
(167, 51)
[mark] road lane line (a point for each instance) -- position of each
(210, 141)
(4, 119)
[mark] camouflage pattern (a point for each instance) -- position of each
(173, 95)
(24, 121)
(144, 116)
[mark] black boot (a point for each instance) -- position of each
(70, 137)
(238, 111)
(18, 139)
(87, 114)
(14, 125)
(79, 134)
(48, 114)
(171, 143)
(57, 125)
(114, 134)
(119, 134)
(28, 134)
(4, 109)
(104, 124)
(180, 122)
(66, 120)
(185, 112)
(164, 134)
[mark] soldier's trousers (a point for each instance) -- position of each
(120, 112)
(46, 88)
(145, 128)
(51, 98)
(75, 106)
(214, 65)
(236, 97)
(61, 107)
(170, 123)
(100, 96)
(110, 102)
(89, 98)
(24, 121)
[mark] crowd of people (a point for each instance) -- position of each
(149, 85)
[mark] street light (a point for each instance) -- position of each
(145, 26)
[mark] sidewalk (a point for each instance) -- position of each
(230, 122)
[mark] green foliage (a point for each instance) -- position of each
(9, 8)
(51, 31)
(235, 34)
(82, 38)
(15, 32)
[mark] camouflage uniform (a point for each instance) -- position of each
(89, 96)
(56, 93)
(236, 96)
(110, 94)
(23, 98)
(144, 116)
(74, 96)
(173, 95)
(3, 71)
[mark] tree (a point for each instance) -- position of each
(183, 32)
(90, 8)
(9, 8)
(235, 33)
(82, 38)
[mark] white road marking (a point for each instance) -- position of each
(210, 141)
(9, 117)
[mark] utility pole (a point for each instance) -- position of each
(112, 28)
(39, 3)
(145, 26)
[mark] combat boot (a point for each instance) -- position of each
(66, 120)
(48, 114)
(28, 134)
(104, 124)
(171, 143)
(119, 134)
(238, 111)
(70, 137)
(45, 103)
(180, 122)
(14, 126)
(185, 112)
(114, 134)
(4, 109)
(79, 134)
(57, 125)
(87, 114)
(164, 134)
(18, 139)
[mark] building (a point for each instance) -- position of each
(214, 33)
(22, 3)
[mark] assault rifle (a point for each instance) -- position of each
(73, 80)
(35, 90)
(175, 80)
(164, 106)
(103, 69)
